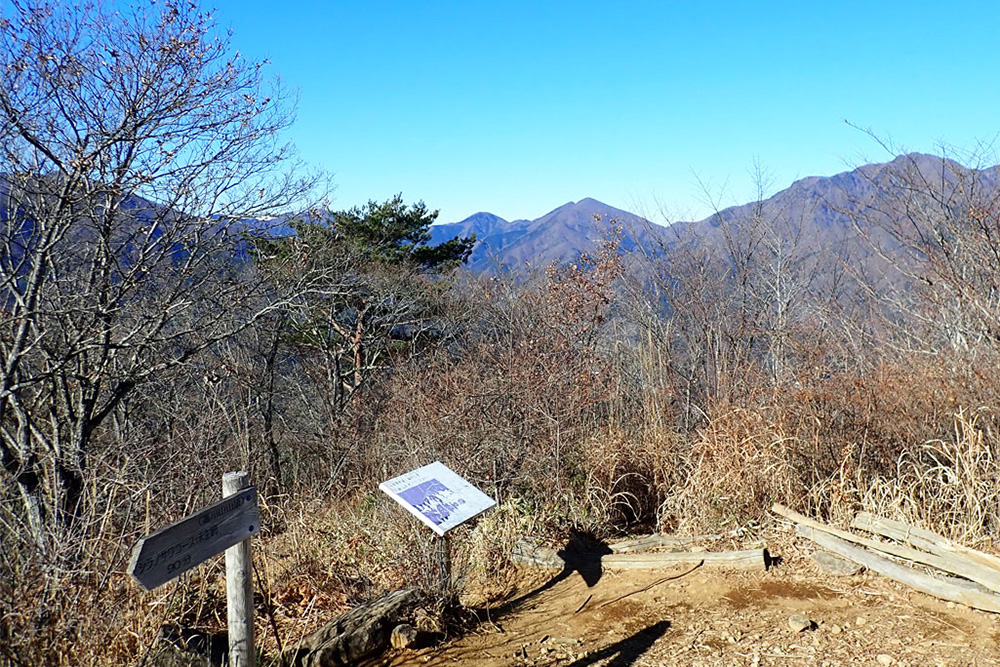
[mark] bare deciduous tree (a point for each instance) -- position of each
(134, 145)
(937, 224)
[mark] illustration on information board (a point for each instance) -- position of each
(433, 499)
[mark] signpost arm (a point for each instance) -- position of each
(239, 587)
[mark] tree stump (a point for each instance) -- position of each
(361, 632)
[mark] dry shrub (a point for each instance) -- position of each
(840, 430)
(628, 473)
(741, 462)
(948, 485)
(880, 412)
(511, 401)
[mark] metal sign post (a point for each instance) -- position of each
(227, 526)
(441, 500)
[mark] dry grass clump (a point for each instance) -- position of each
(626, 475)
(949, 485)
(334, 555)
(95, 614)
(839, 442)
(741, 462)
(487, 573)
(73, 603)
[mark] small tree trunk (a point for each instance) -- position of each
(270, 442)
(31, 497)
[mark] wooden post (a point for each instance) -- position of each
(239, 586)
(444, 563)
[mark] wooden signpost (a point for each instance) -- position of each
(227, 526)
(168, 553)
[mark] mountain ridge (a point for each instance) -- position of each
(816, 210)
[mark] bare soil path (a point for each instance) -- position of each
(715, 618)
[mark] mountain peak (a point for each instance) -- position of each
(582, 212)
(586, 202)
(558, 236)
(565, 207)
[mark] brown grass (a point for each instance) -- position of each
(572, 423)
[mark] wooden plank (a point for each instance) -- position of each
(534, 555)
(941, 561)
(530, 553)
(168, 553)
(647, 542)
(892, 549)
(916, 537)
(752, 559)
(943, 588)
(654, 541)
(922, 539)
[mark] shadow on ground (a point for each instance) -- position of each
(628, 650)
(582, 554)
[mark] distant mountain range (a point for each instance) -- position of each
(814, 213)
(558, 236)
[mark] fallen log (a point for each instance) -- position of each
(923, 539)
(943, 588)
(751, 559)
(359, 633)
(942, 561)
(534, 555)
(675, 542)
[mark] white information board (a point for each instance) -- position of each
(437, 496)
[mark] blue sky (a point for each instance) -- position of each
(518, 107)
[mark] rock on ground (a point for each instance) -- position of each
(835, 565)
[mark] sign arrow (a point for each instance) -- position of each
(168, 553)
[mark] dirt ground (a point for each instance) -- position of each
(680, 616)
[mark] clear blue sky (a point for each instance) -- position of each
(518, 107)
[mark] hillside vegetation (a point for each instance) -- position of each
(683, 383)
